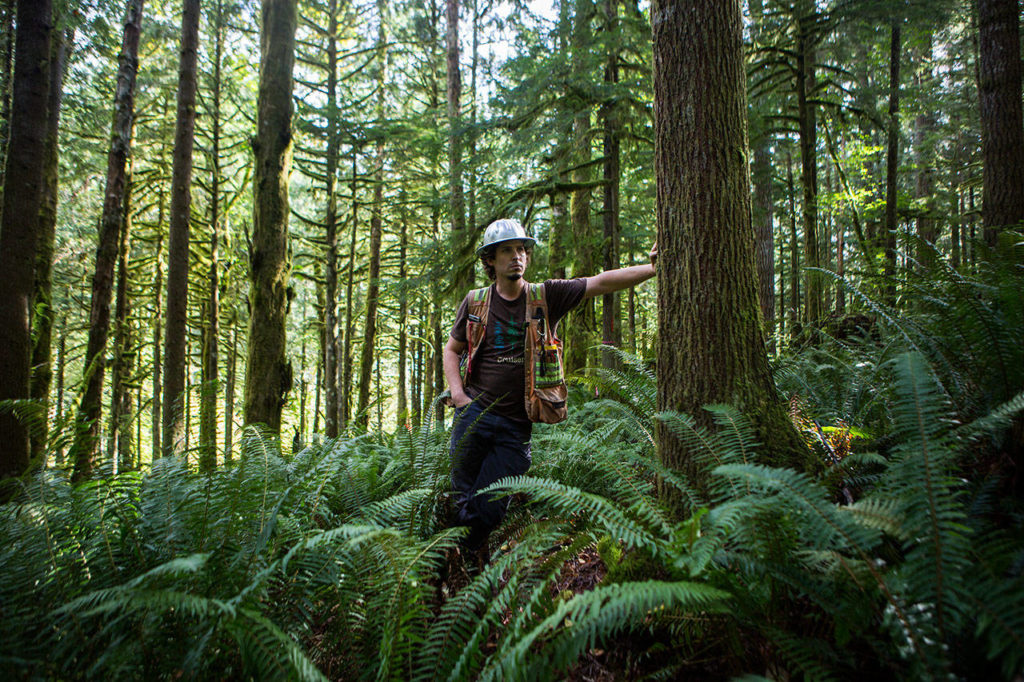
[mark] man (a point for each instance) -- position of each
(491, 432)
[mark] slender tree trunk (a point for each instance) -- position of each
(456, 202)
(795, 329)
(807, 115)
(376, 230)
(87, 426)
(924, 131)
(211, 326)
(7, 12)
(119, 438)
(611, 334)
(158, 334)
(892, 163)
(269, 375)
(345, 398)
(229, 390)
(711, 345)
(581, 334)
(61, 363)
(764, 231)
(1002, 121)
(330, 338)
(402, 409)
(42, 321)
(174, 436)
(23, 180)
(761, 176)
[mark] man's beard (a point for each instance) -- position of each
(515, 276)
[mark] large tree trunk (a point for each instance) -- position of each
(330, 336)
(711, 346)
(892, 163)
(269, 374)
(211, 330)
(88, 418)
(1002, 130)
(456, 202)
(42, 322)
(376, 230)
(177, 248)
(19, 226)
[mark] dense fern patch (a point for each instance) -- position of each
(904, 561)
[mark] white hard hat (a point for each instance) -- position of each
(504, 230)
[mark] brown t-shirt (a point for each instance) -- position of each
(498, 377)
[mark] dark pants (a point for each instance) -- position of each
(485, 448)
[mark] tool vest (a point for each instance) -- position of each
(545, 391)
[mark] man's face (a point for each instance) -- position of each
(510, 259)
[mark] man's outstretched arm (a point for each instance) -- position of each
(611, 281)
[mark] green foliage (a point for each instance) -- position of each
(337, 562)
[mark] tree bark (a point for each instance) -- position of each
(88, 418)
(19, 226)
(711, 345)
(1002, 129)
(269, 374)
(42, 321)
(158, 333)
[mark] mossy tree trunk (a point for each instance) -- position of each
(376, 231)
(456, 201)
(330, 335)
(87, 425)
(269, 374)
(211, 326)
(174, 402)
(711, 344)
(42, 322)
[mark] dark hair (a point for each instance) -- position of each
(490, 252)
(488, 268)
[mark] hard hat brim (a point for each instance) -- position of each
(530, 242)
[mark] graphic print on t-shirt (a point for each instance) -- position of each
(509, 338)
